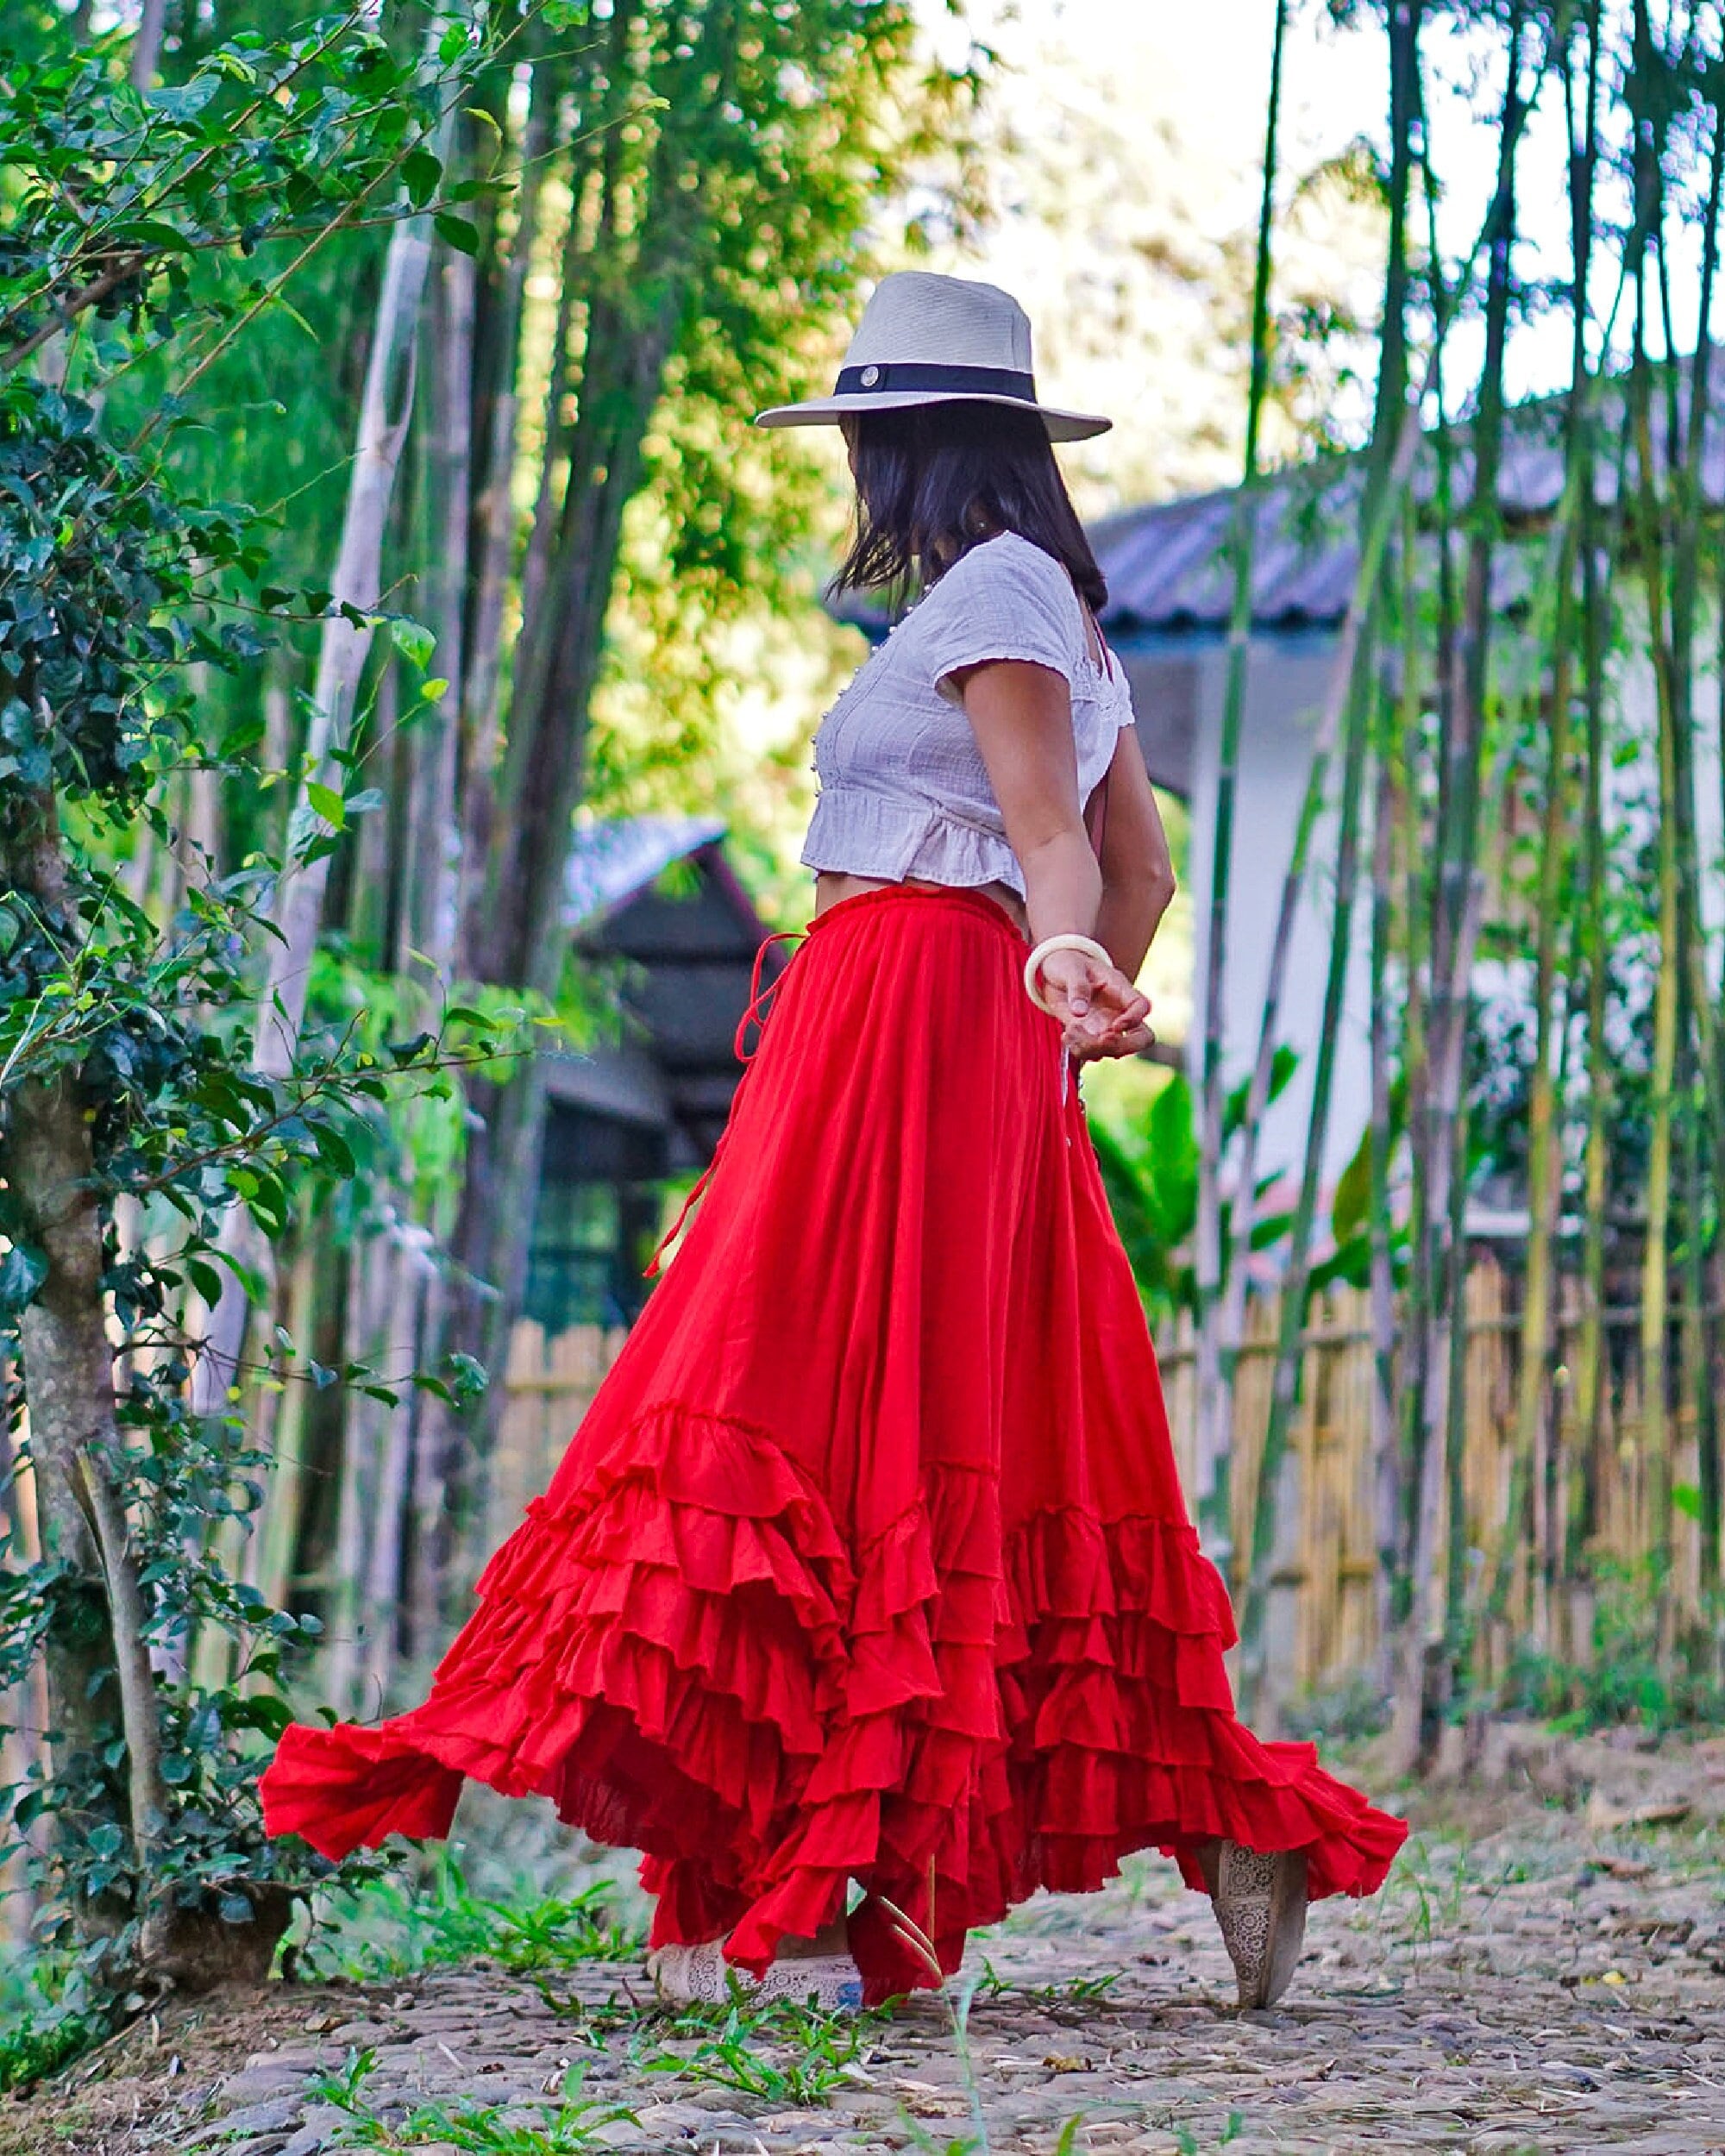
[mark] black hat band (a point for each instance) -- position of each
(878, 377)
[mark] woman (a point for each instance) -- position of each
(865, 1597)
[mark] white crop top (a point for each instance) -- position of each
(904, 790)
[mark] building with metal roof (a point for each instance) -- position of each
(652, 903)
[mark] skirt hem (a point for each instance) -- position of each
(690, 1663)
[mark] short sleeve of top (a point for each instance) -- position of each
(903, 789)
(1007, 601)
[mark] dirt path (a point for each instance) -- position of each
(1536, 1978)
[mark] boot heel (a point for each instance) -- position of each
(1260, 1903)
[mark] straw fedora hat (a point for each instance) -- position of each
(930, 340)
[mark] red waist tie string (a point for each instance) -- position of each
(755, 1016)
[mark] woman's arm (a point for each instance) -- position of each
(1022, 714)
(1138, 871)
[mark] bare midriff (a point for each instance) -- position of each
(832, 885)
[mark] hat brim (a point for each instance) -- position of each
(827, 411)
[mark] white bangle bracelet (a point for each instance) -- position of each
(1045, 948)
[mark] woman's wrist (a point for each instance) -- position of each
(1062, 940)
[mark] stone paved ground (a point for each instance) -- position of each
(1545, 1972)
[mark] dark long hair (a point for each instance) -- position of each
(934, 480)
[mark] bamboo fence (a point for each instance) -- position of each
(549, 1380)
(1327, 1613)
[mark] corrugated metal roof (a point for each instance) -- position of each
(612, 860)
(1168, 567)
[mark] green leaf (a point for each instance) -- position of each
(1270, 1228)
(263, 1712)
(469, 1378)
(1686, 1499)
(1282, 1065)
(333, 1150)
(23, 1270)
(1173, 1153)
(1353, 1192)
(327, 803)
(457, 232)
(1350, 1264)
(420, 172)
(148, 232)
(413, 639)
(187, 100)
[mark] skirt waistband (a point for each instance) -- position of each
(952, 897)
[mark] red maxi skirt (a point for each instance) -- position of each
(868, 1560)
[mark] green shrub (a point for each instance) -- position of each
(1629, 1680)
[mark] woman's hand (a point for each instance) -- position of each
(1100, 1011)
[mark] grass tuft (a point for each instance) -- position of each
(393, 1929)
(782, 2052)
(565, 2127)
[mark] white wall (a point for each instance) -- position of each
(1286, 684)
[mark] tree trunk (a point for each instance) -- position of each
(353, 1617)
(557, 666)
(490, 545)
(399, 1257)
(98, 1671)
(297, 909)
(147, 43)
(424, 955)
(269, 1551)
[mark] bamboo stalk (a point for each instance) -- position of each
(1534, 1436)
(1695, 1359)
(1704, 1090)
(1218, 1342)
(1464, 676)
(297, 910)
(1399, 717)
(1285, 1384)
(1601, 1070)
(1656, 1436)
(1385, 1451)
